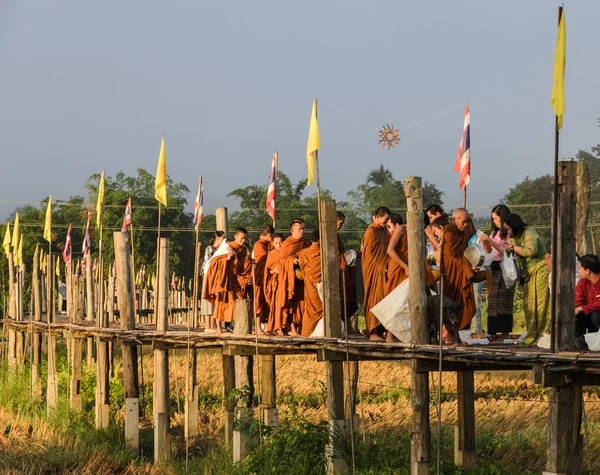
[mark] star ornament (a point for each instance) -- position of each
(389, 136)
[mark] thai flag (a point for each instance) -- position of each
(271, 191)
(199, 205)
(67, 250)
(127, 218)
(87, 240)
(463, 161)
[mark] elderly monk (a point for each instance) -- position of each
(310, 263)
(347, 280)
(271, 279)
(374, 264)
(289, 296)
(457, 283)
(260, 253)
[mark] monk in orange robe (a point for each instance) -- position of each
(374, 264)
(271, 279)
(397, 271)
(455, 238)
(310, 263)
(243, 263)
(260, 253)
(289, 297)
(221, 285)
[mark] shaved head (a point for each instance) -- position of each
(461, 218)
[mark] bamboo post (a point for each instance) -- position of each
(350, 392)
(333, 329)
(52, 387)
(583, 206)
(421, 432)
(564, 420)
(464, 432)
(161, 360)
(20, 336)
(36, 381)
(268, 387)
(191, 395)
(244, 383)
(89, 309)
(127, 313)
(77, 311)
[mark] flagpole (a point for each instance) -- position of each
(157, 266)
(554, 224)
(195, 291)
(465, 197)
(276, 178)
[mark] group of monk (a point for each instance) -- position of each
(385, 262)
(282, 276)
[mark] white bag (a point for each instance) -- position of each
(509, 270)
(593, 341)
(394, 312)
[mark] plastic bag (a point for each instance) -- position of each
(509, 270)
(593, 341)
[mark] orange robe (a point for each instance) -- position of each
(457, 283)
(396, 273)
(270, 286)
(310, 262)
(243, 270)
(261, 250)
(221, 287)
(374, 264)
(289, 297)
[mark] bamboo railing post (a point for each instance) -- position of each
(127, 313)
(333, 329)
(583, 206)
(244, 383)
(52, 387)
(89, 309)
(421, 432)
(191, 395)
(77, 300)
(161, 360)
(36, 289)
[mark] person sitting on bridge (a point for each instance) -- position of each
(587, 295)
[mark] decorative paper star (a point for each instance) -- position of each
(389, 136)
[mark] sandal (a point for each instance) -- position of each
(492, 338)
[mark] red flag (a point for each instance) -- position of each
(271, 191)
(127, 218)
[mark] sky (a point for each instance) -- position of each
(91, 86)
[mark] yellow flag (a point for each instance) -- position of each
(48, 223)
(20, 252)
(58, 267)
(15, 237)
(6, 243)
(314, 143)
(557, 100)
(100, 200)
(160, 186)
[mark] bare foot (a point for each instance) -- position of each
(375, 337)
(294, 333)
(260, 331)
(390, 338)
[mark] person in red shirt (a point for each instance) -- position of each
(587, 295)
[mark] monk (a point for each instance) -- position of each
(289, 296)
(260, 253)
(271, 279)
(433, 212)
(374, 263)
(454, 239)
(347, 280)
(243, 263)
(310, 263)
(221, 284)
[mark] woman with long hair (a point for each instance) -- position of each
(529, 249)
(207, 309)
(500, 298)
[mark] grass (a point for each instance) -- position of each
(511, 421)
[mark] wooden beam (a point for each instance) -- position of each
(330, 269)
(583, 206)
(464, 440)
(421, 432)
(268, 387)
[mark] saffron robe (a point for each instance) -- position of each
(310, 263)
(261, 251)
(243, 270)
(270, 282)
(374, 264)
(289, 296)
(347, 282)
(221, 286)
(457, 283)
(396, 273)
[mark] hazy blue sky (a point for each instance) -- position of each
(88, 86)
